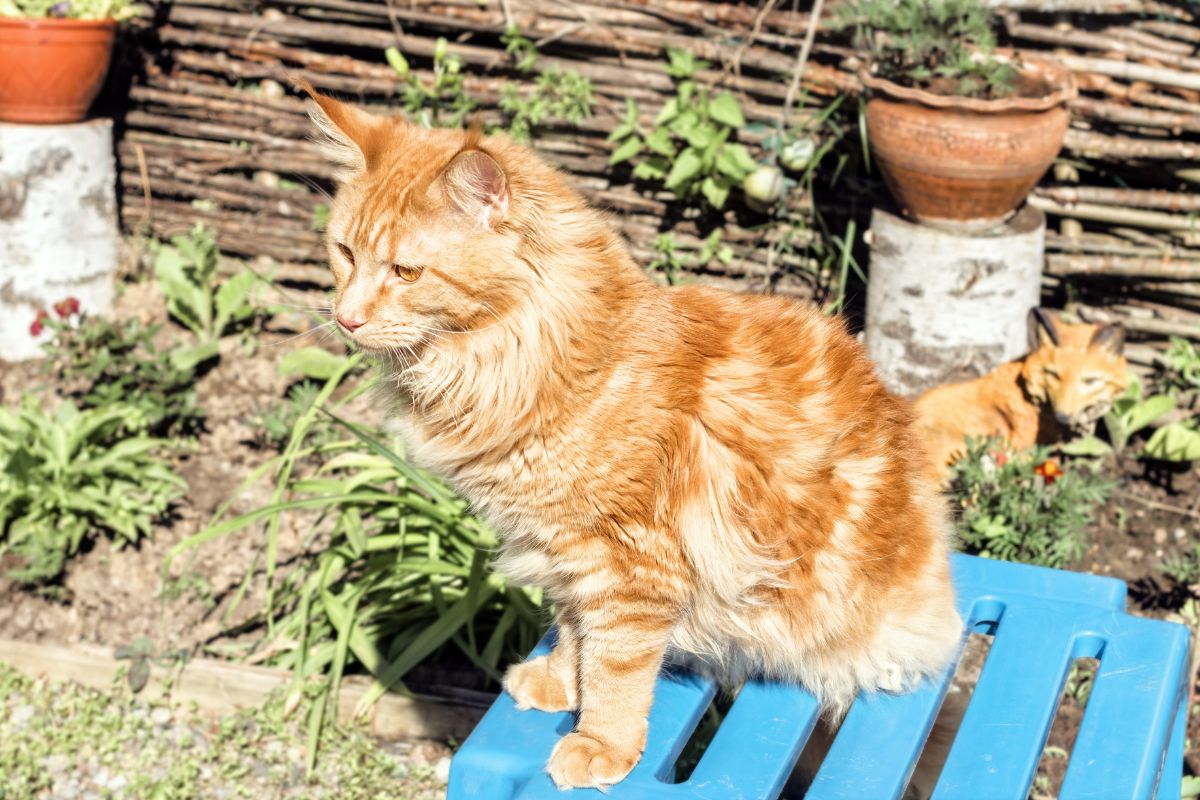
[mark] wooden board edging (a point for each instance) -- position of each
(221, 687)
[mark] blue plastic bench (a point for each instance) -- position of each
(1130, 744)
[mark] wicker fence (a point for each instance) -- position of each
(214, 132)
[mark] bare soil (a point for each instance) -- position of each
(112, 595)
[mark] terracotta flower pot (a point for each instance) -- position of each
(52, 69)
(966, 162)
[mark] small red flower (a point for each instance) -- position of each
(1000, 456)
(36, 328)
(65, 308)
(1049, 470)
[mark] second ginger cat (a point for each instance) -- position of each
(1069, 379)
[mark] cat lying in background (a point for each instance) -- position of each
(1069, 380)
(686, 471)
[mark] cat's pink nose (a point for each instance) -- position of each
(350, 324)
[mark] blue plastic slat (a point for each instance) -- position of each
(986, 577)
(490, 766)
(878, 745)
(997, 747)
(1131, 710)
(1170, 785)
(757, 745)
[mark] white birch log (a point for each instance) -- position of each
(945, 306)
(58, 225)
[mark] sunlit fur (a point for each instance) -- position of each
(1058, 389)
(687, 472)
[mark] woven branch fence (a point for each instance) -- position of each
(214, 133)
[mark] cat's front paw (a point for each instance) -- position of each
(580, 761)
(533, 684)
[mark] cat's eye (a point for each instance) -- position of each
(1093, 380)
(346, 252)
(406, 272)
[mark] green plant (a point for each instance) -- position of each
(689, 150)
(102, 362)
(187, 275)
(1132, 412)
(1180, 369)
(74, 474)
(404, 572)
(1175, 441)
(141, 653)
(1183, 568)
(556, 94)
(947, 46)
(798, 237)
(1023, 506)
(523, 51)
(274, 424)
(670, 259)
(443, 102)
(119, 10)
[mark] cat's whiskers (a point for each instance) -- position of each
(316, 187)
(324, 328)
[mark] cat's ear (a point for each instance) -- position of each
(349, 134)
(1110, 337)
(477, 187)
(1042, 329)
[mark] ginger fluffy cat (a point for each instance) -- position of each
(1069, 379)
(687, 472)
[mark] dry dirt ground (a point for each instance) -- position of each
(112, 595)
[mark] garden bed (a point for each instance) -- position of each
(111, 597)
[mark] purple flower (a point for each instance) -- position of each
(59, 9)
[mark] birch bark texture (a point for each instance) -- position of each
(58, 225)
(946, 306)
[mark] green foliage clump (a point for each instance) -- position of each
(521, 49)
(670, 259)
(118, 10)
(404, 574)
(556, 94)
(1135, 411)
(947, 46)
(73, 474)
(1023, 506)
(689, 150)
(187, 275)
(105, 362)
(273, 424)
(1180, 369)
(1176, 441)
(1184, 567)
(442, 103)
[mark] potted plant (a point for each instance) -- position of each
(54, 55)
(961, 132)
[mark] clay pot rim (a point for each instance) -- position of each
(1051, 71)
(56, 23)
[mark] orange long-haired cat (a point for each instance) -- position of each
(1069, 379)
(685, 471)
